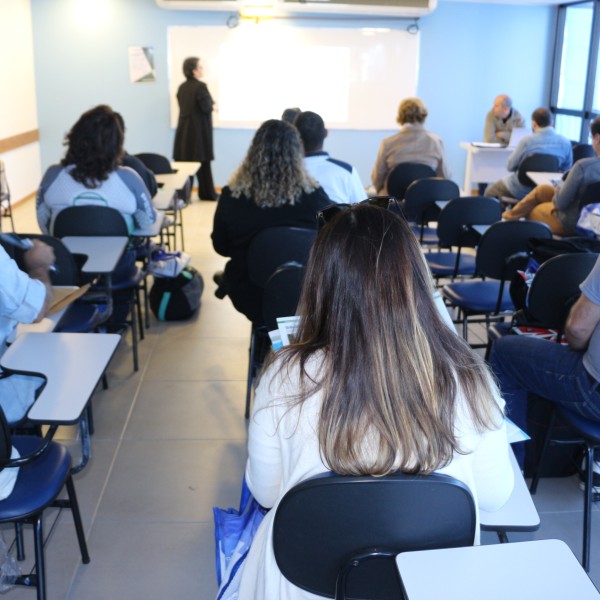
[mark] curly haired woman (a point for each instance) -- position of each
(270, 188)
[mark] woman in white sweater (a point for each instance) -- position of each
(376, 383)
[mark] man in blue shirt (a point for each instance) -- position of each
(544, 140)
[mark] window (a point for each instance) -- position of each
(575, 99)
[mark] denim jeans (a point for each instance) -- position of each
(525, 365)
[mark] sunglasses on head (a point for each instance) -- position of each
(388, 202)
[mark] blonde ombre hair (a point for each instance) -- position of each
(392, 370)
(273, 173)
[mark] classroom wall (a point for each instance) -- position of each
(469, 54)
(18, 112)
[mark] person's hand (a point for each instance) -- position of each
(40, 257)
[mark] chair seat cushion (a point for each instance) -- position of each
(430, 236)
(39, 482)
(477, 297)
(586, 427)
(81, 317)
(442, 264)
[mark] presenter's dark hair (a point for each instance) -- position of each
(312, 130)
(189, 66)
(542, 116)
(595, 126)
(94, 146)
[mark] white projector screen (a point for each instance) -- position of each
(354, 78)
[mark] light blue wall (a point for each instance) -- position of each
(469, 53)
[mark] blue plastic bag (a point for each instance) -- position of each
(234, 532)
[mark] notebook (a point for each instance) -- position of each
(516, 135)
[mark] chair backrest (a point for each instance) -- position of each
(458, 214)
(583, 151)
(556, 285)
(323, 523)
(157, 163)
(282, 292)
(422, 194)
(536, 162)
(90, 220)
(67, 268)
(275, 246)
(403, 174)
(503, 247)
(590, 195)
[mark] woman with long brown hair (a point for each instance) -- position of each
(376, 383)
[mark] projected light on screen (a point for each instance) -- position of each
(256, 84)
(353, 76)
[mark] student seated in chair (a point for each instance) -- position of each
(559, 206)
(568, 375)
(24, 298)
(270, 188)
(413, 143)
(376, 383)
(543, 140)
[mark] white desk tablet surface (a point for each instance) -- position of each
(518, 571)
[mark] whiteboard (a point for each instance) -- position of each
(354, 78)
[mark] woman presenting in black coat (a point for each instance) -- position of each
(194, 135)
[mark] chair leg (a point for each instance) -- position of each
(19, 541)
(587, 508)
(538, 468)
(251, 359)
(85, 557)
(134, 335)
(138, 311)
(38, 536)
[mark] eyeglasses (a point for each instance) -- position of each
(388, 202)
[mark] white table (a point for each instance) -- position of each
(544, 177)
(484, 165)
(518, 514)
(103, 252)
(189, 168)
(519, 571)
(72, 364)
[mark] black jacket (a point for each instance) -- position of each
(194, 135)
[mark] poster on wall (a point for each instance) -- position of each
(141, 64)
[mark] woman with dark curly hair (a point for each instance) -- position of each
(270, 188)
(90, 173)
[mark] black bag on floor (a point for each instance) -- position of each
(176, 298)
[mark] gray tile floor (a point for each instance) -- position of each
(170, 444)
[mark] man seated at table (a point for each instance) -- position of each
(559, 207)
(501, 120)
(568, 375)
(544, 140)
(24, 298)
(340, 180)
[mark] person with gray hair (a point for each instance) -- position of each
(543, 140)
(501, 120)
(340, 180)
